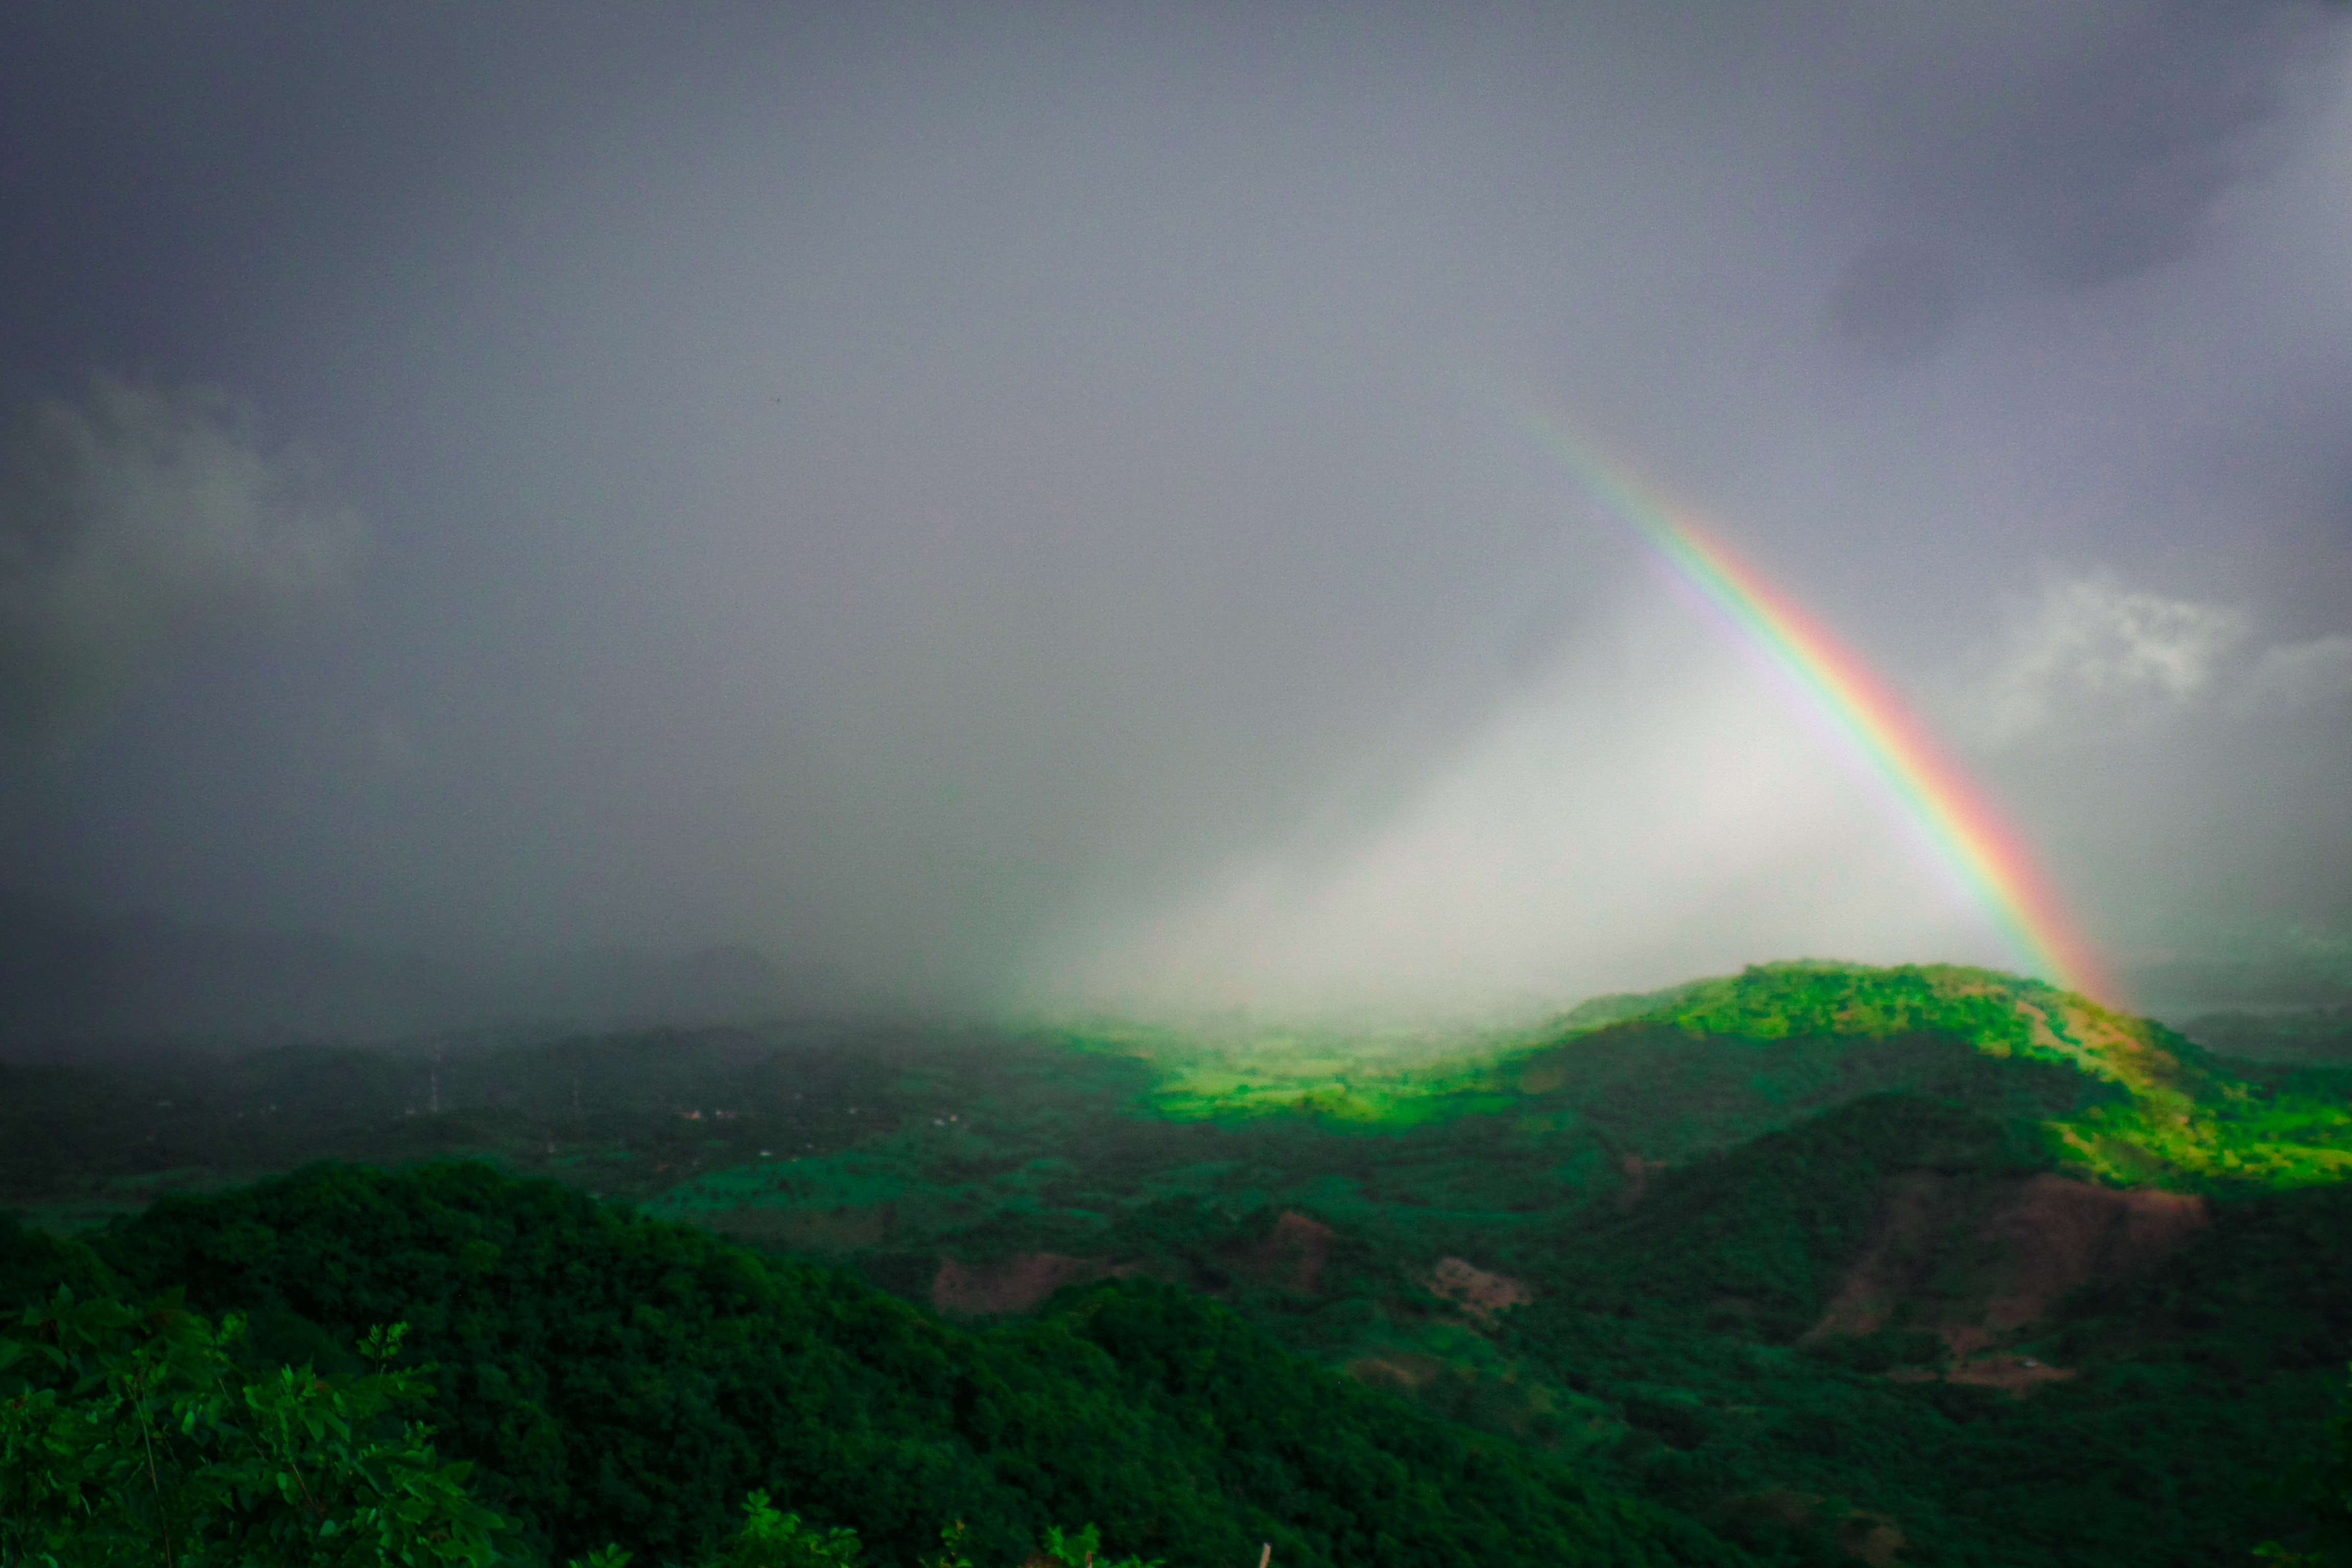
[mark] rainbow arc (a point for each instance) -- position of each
(1955, 815)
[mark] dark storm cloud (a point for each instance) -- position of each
(2063, 148)
(977, 500)
(133, 516)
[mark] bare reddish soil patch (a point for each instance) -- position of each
(1911, 1209)
(2020, 1247)
(1476, 1291)
(1012, 1284)
(1544, 1074)
(2017, 1374)
(1402, 1370)
(2058, 1236)
(1637, 1173)
(1870, 1537)
(1289, 1257)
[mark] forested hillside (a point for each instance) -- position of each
(1813, 1264)
(621, 1378)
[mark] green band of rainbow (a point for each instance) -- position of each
(1951, 811)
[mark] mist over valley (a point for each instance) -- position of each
(997, 785)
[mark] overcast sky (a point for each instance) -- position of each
(1006, 503)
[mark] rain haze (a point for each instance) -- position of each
(1028, 507)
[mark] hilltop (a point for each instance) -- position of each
(1708, 1062)
(1833, 1261)
(615, 1376)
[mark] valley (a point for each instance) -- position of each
(1826, 1263)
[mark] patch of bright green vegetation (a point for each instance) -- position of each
(1370, 1077)
(843, 1141)
(1704, 1065)
(1799, 1000)
(614, 1377)
(1425, 1140)
(2187, 1116)
(1683, 1180)
(1401, 1078)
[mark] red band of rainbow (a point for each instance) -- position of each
(1991, 859)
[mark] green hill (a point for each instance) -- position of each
(1922, 1265)
(618, 1377)
(2178, 1115)
(1705, 1064)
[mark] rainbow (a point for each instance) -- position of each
(1956, 819)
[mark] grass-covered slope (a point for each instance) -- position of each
(838, 1139)
(1709, 1063)
(1921, 1264)
(616, 1377)
(2156, 1108)
(2163, 1409)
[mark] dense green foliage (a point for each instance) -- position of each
(620, 1378)
(1769, 1224)
(1083, 1120)
(1688, 1185)
(1705, 1064)
(2328, 1542)
(2188, 1393)
(131, 1436)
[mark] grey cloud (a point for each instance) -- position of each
(2089, 653)
(2301, 675)
(2062, 147)
(1896, 301)
(2090, 658)
(956, 495)
(1597, 835)
(133, 516)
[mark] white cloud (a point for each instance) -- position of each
(2088, 656)
(137, 515)
(2090, 653)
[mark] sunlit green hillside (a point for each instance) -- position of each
(1702, 1065)
(1070, 1143)
(1847, 1264)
